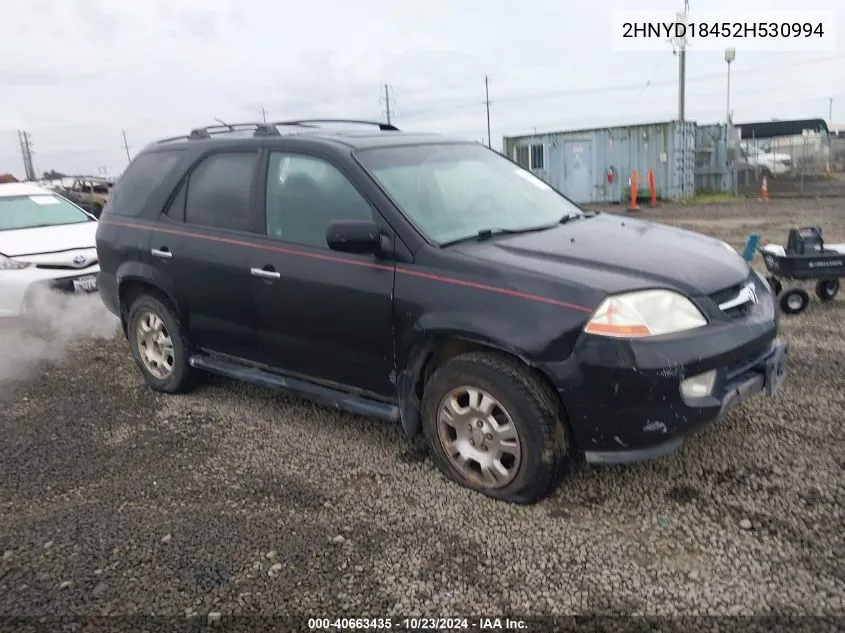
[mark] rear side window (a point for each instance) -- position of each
(220, 189)
(129, 196)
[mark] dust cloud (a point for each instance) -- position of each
(53, 322)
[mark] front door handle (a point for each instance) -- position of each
(265, 273)
(162, 252)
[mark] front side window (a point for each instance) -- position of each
(220, 189)
(454, 191)
(305, 195)
(47, 209)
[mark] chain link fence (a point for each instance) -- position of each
(796, 166)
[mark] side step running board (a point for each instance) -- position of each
(316, 393)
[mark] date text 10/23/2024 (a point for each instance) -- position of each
(417, 624)
(758, 31)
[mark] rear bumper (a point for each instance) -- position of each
(107, 286)
(624, 400)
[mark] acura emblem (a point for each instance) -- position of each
(79, 261)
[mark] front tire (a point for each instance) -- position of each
(158, 347)
(493, 427)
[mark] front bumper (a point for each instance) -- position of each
(624, 400)
(22, 290)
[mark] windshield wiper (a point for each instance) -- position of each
(486, 234)
(570, 217)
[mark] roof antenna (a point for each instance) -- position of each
(231, 129)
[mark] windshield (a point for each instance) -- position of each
(452, 192)
(24, 212)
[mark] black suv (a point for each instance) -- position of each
(431, 282)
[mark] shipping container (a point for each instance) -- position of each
(595, 165)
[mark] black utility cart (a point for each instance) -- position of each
(805, 257)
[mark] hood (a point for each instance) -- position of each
(616, 254)
(48, 239)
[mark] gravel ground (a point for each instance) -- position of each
(237, 500)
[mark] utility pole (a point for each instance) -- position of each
(264, 115)
(26, 153)
(487, 103)
(387, 102)
(126, 147)
(830, 112)
(682, 66)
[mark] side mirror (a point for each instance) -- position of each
(355, 236)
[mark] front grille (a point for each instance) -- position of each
(733, 293)
(66, 266)
(726, 295)
(66, 285)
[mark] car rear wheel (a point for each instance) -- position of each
(493, 427)
(827, 289)
(158, 347)
(794, 301)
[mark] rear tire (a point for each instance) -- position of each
(826, 289)
(504, 433)
(794, 301)
(158, 347)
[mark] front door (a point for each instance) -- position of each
(202, 245)
(321, 314)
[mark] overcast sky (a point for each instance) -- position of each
(74, 73)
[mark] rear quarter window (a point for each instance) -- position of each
(143, 176)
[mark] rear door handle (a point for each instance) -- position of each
(265, 273)
(162, 252)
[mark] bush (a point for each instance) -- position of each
(642, 194)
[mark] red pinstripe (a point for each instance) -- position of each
(354, 262)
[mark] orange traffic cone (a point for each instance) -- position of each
(764, 190)
(633, 206)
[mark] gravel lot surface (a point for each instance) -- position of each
(237, 500)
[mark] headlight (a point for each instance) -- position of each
(7, 263)
(644, 313)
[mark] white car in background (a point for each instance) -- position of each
(769, 162)
(46, 244)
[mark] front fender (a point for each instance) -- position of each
(422, 338)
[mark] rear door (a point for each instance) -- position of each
(202, 244)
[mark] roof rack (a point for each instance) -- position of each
(384, 127)
(270, 129)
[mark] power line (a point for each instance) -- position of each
(554, 94)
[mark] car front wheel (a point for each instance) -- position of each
(492, 426)
(159, 350)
